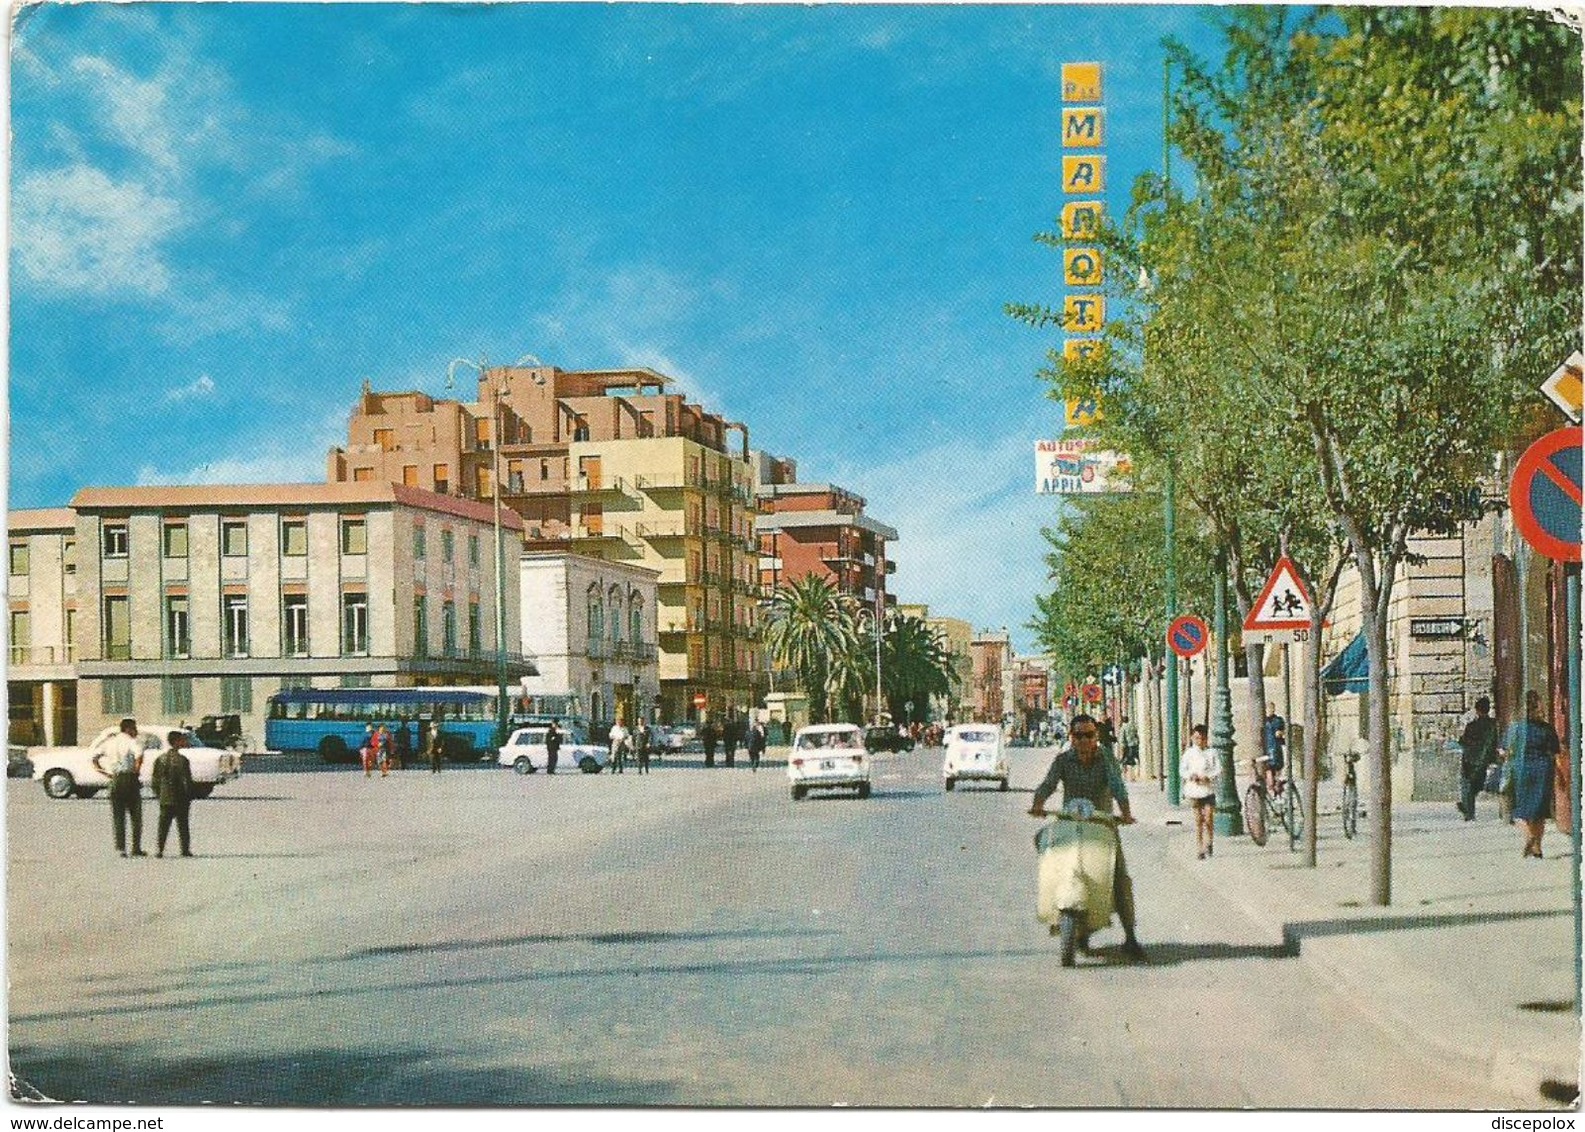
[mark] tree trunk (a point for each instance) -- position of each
(1373, 596)
(1312, 731)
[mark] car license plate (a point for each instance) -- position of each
(828, 764)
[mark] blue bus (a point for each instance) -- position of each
(333, 722)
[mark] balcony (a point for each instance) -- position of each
(681, 625)
(589, 487)
(45, 654)
(667, 482)
(673, 528)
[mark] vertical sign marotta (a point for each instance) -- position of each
(1083, 183)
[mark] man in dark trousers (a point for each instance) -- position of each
(437, 747)
(756, 744)
(173, 786)
(552, 747)
(124, 753)
(1478, 745)
(707, 736)
(729, 739)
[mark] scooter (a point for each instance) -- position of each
(1077, 853)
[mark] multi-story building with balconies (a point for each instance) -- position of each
(820, 529)
(606, 464)
(41, 596)
(201, 600)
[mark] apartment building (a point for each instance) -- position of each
(41, 599)
(200, 600)
(606, 464)
(591, 626)
(991, 700)
(819, 529)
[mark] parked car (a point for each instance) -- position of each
(525, 750)
(975, 752)
(18, 765)
(68, 771)
(829, 756)
(885, 737)
(221, 731)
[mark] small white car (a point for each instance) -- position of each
(829, 756)
(975, 753)
(525, 751)
(70, 771)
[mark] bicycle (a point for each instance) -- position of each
(1350, 796)
(1261, 810)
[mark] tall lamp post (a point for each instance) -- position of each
(1229, 814)
(503, 706)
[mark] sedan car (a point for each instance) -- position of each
(68, 771)
(974, 753)
(887, 738)
(829, 756)
(524, 751)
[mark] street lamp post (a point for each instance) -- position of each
(1229, 814)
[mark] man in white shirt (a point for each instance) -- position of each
(1199, 769)
(124, 755)
(619, 746)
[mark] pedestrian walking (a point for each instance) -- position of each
(1199, 768)
(368, 751)
(729, 736)
(756, 744)
(402, 738)
(437, 747)
(1273, 743)
(642, 738)
(1532, 747)
(385, 750)
(1108, 737)
(1130, 748)
(173, 786)
(619, 745)
(1478, 747)
(124, 753)
(552, 747)
(707, 736)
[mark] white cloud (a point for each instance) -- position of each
(299, 458)
(75, 229)
(201, 388)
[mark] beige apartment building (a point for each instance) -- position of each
(41, 598)
(607, 464)
(171, 603)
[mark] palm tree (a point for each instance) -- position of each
(811, 631)
(915, 665)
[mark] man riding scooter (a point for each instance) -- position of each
(1084, 772)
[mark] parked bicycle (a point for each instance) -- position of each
(1262, 809)
(1350, 796)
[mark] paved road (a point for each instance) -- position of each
(693, 937)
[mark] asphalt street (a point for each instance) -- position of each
(692, 937)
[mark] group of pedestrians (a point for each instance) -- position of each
(387, 750)
(172, 779)
(639, 742)
(1524, 765)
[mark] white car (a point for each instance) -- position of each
(525, 751)
(68, 771)
(975, 753)
(829, 756)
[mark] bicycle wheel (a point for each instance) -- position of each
(1350, 809)
(1255, 813)
(1294, 815)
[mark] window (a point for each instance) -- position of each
(448, 628)
(176, 540)
(473, 550)
(71, 636)
(635, 624)
(115, 696)
(294, 624)
(418, 541)
(117, 629)
(19, 559)
(354, 536)
(178, 634)
(115, 540)
(544, 469)
(21, 635)
(409, 475)
(236, 693)
(176, 695)
(475, 630)
(481, 434)
(420, 626)
(294, 537)
(355, 624)
(442, 478)
(362, 475)
(385, 438)
(596, 617)
(234, 539)
(483, 478)
(356, 680)
(447, 545)
(234, 623)
(69, 556)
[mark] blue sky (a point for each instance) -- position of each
(226, 216)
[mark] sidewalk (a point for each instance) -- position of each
(1475, 958)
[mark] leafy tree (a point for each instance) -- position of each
(811, 631)
(916, 664)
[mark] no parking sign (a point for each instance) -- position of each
(1545, 494)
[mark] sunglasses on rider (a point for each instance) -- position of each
(1085, 734)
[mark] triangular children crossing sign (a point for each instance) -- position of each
(1284, 602)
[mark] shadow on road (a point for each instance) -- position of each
(1296, 933)
(312, 1077)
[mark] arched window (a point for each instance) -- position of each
(635, 620)
(614, 600)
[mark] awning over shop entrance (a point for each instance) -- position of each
(1349, 670)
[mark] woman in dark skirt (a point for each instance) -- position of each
(1532, 748)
